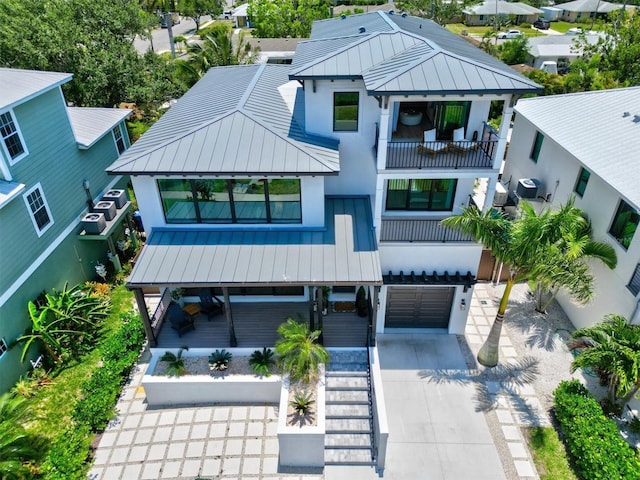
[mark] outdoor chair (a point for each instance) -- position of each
(459, 142)
(210, 304)
(180, 320)
(430, 144)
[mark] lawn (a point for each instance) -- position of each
(483, 30)
(562, 27)
(549, 454)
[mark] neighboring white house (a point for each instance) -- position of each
(582, 10)
(562, 49)
(484, 13)
(586, 144)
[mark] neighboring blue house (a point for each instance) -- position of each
(52, 159)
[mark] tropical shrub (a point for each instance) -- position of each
(302, 402)
(299, 353)
(176, 363)
(219, 360)
(262, 361)
(592, 439)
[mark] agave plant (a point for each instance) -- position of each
(302, 402)
(262, 361)
(176, 363)
(219, 360)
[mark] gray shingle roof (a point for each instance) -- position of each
(344, 254)
(19, 85)
(254, 127)
(90, 124)
(389, 60)
(503, 7)
(597, 133)
(599, 6)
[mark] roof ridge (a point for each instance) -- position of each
(249, 90)
(405, 68)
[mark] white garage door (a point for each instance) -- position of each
(418, 307)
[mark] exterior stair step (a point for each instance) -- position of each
(347, 397)
(347, 373)
(347, 440)
(348, 367)
(349, 356)
(350, 410)
(348, 456)
(347, 383)
(348, 425)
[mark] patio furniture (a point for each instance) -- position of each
(180, 320)
(459, 142)
(430, 144)
(410, 118)
(210, 304)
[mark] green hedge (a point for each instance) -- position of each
(593, 440)
(69, 453)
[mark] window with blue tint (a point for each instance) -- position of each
(624, 224)
(537, 146)
(284, 200)
(583, 179)
(421, 194)
(178, 201)
(345, 111)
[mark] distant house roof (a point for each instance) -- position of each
(400, 54)
(17, 86)
(604, 136)
(245, 119)
(557, 45)
(491, 7)
(90, 124)
(345, 253)
(599, 6)
(240, 10)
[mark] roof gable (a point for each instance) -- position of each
(17, 86)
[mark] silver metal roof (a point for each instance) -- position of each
(90, 124)
(243, 119)
(17, 85)
(599, 6)
(602, 132)
(344, 254)
(400, 54)
(558, 45)
(505, 8)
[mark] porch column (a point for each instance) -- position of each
(320, 300)
(491, 191)
(374, 316)
(507, 114)
(312, 323)
(144, 314)
(233, 341)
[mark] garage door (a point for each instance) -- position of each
(418, 307)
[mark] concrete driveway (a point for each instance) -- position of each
(437, 431)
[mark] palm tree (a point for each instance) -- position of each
(612, 346)
(527, 245)
(17, 447)
(220, 49)
(300, 354)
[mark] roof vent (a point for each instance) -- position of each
(362, 29)
(343, 16)
(391, 12)
(636, 119)
(625, 114)
(420, 25)
(404, 14)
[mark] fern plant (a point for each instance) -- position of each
(219, 360)
(176, 363)
(302, 402)
(262, 361)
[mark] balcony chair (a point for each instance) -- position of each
(430, 144)
(459, 142)
(210, 304)
(180, 320)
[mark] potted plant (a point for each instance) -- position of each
(262, 361)
(177, 295)
(176, 363)
(362, 306)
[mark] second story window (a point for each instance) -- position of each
(537, 146)
(434, 195)
(231, 201)
(39, 210)
(119, 139)
(11, 138)
(3, 347)
(583, 179)
(345, 111)
(634, 284)
(624, 224)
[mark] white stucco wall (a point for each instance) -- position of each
(452, 257)
(558, 171)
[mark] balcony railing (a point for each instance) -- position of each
(420, 155)
(419, 230)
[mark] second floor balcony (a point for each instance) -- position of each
(419, 230)
(442, 154)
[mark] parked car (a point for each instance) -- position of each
(510, 34)
(542, 24)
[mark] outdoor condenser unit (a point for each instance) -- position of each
(94, 223)
(107, 207)
(501, 195)
(118, 196)
(527, 188)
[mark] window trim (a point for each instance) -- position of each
(579, 181)
(357, 112)
(408, 200)
(13, 161)
(613, 221)
(115, 140)
(634, 286)
(536, 147)
(4, 348)
(25, 196)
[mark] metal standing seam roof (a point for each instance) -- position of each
(253, 128)
(90, 124)
(344, 254)
(362, 57)
(503, 7)
(604, 137)
(18, 85)
(599, 6)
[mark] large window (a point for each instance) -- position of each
(624, 224)
(450, 116)
(119, 139)
(39, 210)
(583, 179)
(231, 201)
(421, 194)
(11, 138)
(345, 111)
(537, 145)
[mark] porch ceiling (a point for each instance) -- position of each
(345, 253)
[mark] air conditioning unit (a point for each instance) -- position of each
(527, 188)
(118, 196)
(107, 207)
(94, 223)
(501, 195)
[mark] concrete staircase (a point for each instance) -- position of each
(349, 434)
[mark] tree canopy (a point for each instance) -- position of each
(440, 11)
(195, 9)
(286, 18)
